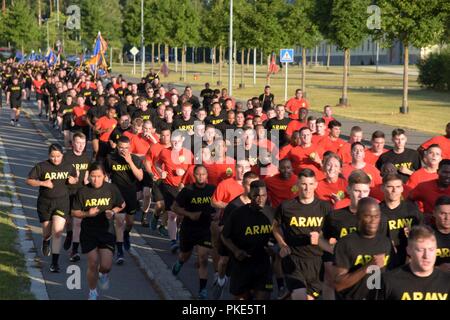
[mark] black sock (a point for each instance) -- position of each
(69, 233)
(128, 229)
(119, 247)
(55, 258)
(203, 283)
(75, 247)
(280, 282)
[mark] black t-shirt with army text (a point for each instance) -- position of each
(81, 164)
(195, 199)
(403, 284)
(58, 174)
(104, 198)
(120, 172)
(443, 247)
(298, 220)
(409, 158)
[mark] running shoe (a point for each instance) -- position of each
(54, 267)
(74, 257)
(176, 268)
(103, 281)
(203, 294)
(163, 231)
(93, 295)
(174, 246)
(119, 259)
(217, 289)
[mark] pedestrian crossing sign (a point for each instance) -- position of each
(286, 55)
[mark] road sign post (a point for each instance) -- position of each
(134, 51)
(286, 57)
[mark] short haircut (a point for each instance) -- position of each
(397, 132)
(320, 120)
(303, 129)
(421, 232)
(285, 160)
(257, 184)
(442, 201)
(96, 166)
(199, 166)
(364, 203)
(267, 87)
(391, 177)
(354, 144)
(334, 123)
(311, 118)
(358, 177)
(79, 135)
(250, 176)
(378, 134)
(187, 105)
(307, 173)
(434, 145)
(55, 147)
(445, 162)
(355, 129)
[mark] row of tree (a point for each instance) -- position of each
(264, 24)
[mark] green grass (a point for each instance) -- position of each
(14, 280)
(374, 97)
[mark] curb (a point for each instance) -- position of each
(159, 274)
(25, 242)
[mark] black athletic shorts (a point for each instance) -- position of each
(47, 208)
(169, 194)
(189, 238)
(39, 96)
(254, 275)
(156, 191)
(130, 202)
(303, 272)
(91, 239)
(15, 106)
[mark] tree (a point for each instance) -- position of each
(416, 23)
(19, 29)
(301, 30)
(132, 22)
(322, 13)
(104, 16)
(347, 30)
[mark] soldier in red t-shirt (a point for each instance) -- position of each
(442, 141)
(377, 148)
(294, 104)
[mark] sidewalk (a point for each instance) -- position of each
(24, 147)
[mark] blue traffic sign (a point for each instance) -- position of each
(286, 55)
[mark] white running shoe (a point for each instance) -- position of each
(103, 281)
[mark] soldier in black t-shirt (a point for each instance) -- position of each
(53, 205)
(401, 215)
(267, 99)
(14, 94)
(297, 227)
(247, 233)
(419, 279)
(193, 203)
(207, 94)
(357, 254)
(96, 204)
(278, 125)
(442, 232)
(125, 170)
(78, 158)
(405, 160)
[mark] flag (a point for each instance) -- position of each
(100, 45)
(51, 57)
(273, 67)
(98, 59)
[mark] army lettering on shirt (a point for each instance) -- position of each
(443, 247)
(250, 229)
(104, 198)
(183, 125)
(58, 174)
(408, 158)
(403, 284)
(15, 97)
(81, 164)
(194, 199)
(144, 115)
(354, 252)
(298, 220)
(121, 173)
(406, 215)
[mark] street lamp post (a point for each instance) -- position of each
(230, 53)
(142, 40)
